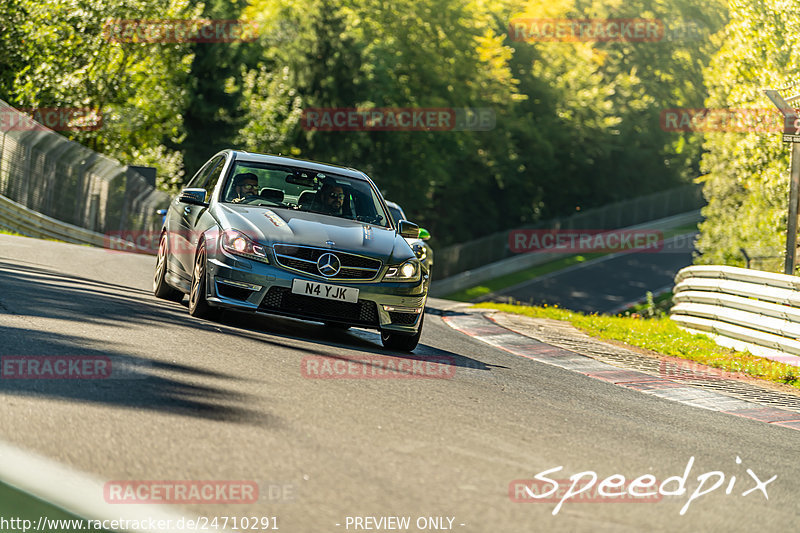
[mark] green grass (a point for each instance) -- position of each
(20, 505)
(660, 334)
(15, 234)
(509, 280)
(652, 307)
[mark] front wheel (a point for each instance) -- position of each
(402, 341)
(198, 305)
(160, 287)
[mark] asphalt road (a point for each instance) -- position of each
(200, 400)
(606, 284)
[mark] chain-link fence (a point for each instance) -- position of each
(473, 254)
(62, 179)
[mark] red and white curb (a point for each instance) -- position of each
(483, 329)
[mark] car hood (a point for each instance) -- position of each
(287, 226)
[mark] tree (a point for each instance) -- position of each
(746, 180)
(67, 54)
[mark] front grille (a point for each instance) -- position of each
(281, 299)
(403, 319)
(304, 259)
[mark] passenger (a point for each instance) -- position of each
(332, 199)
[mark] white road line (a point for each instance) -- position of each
(76, 492)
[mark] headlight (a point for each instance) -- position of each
(408, 271)
(236, 242)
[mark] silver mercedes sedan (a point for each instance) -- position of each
(270, 234)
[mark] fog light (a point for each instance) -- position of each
(401, 309)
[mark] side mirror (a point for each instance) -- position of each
(424, 234)
(193, 197)
(408, 230)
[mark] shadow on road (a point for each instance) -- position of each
(135, 382)
(145, 383)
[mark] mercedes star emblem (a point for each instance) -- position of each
(328, 265)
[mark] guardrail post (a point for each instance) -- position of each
(791, 231)
(791, 133)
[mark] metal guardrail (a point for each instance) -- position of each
(19, 219)
(741, 308)
(467, 256)
(470, 278)
(65, 187)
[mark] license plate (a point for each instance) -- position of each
(323, 290)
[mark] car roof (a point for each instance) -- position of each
(239, 155)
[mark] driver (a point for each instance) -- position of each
(245, 186)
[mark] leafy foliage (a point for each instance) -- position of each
(747, 178)
(59, 54)
(576, 123)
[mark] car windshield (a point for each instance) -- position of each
(261, 184)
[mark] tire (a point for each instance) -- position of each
(160, 287)
(198, 305)
(402, 342)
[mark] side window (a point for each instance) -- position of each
(201, 178)
(214, 178)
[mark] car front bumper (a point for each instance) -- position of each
(247, 285)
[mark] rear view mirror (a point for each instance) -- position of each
(306, 179)
(408, 230)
